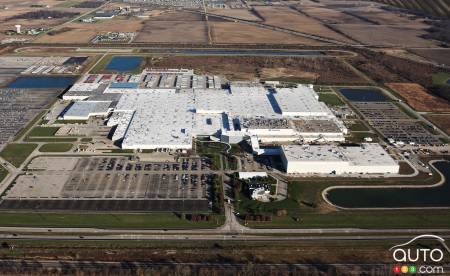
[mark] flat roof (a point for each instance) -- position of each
(300, 101)
(368, 154)
(84, 109)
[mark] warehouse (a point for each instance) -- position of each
(148, 114)
(82, 110)
(331, 159)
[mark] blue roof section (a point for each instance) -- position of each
(122, 85)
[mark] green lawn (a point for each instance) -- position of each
(361, 219)
(43, 131)
(3, 173)
(56, 147)
(441, 78)
(52, 139)
(104, 220)
(86, 140)
(99, 67)
(330, 99)
(17, 153)
(358, 126)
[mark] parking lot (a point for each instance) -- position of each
(19, 106)
(114, 179)
(393, 123)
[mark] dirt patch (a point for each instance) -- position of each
(319, 70)
(441, 121)
(173, 31)
(419, 98)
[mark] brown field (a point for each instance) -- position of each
(234, 32)
(237, 13)
(173, 31)
(168, 15)
(418, 98)
(442, 121)
(84, 33)
(319, 70)
(386, 35)
(288, 18)
(332, 16)
(440, 56)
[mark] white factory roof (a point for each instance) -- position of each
(84, 109)
(313, 153)
(246, 102)
(364, 155)
(300, 101)
(369, 154)
(162, 119)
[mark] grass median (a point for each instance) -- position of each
(3, 173)
(104, 220)
(56, 147)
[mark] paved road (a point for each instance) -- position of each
(209, 237)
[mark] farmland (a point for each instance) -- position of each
(418, 98)
(431, 7)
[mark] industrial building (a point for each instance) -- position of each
(331, 159)
(168, 108)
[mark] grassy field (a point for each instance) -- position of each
(43, 131)
(29, 125)
(114, 220)
(99, 67)
(52, 140)
(358, 126)
(330, 99)
(441, 78)
(3, 173)
(361, 219)
(86, 139)
(56, 147)
(17, 153)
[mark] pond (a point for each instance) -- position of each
(42, 82)
(124, 63)
(395, 197)
(363, 94)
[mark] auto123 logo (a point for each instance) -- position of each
(418, 259)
